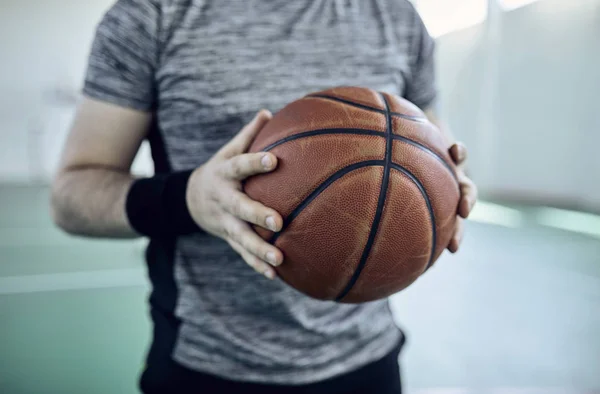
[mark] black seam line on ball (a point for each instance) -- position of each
(320, 189)
(322, 132)
(380, 204)
(419, 119)
(428, 150)
(360, 132)
(429, 208)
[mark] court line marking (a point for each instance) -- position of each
(578, 222)
(500, 215)
(50, 236)
(102, 279)
(484, 212)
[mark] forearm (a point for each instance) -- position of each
(91, 202)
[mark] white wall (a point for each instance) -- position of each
(533, 128)
(44, 48)
(527, 112)
(548, 101)
(44, 44)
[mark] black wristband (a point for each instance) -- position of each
(157, 206)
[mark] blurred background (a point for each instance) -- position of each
(518, 309)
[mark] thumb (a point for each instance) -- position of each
(240, 143)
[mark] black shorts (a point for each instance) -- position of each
(381, 377)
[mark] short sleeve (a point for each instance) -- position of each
(124, 54)
(421, 86)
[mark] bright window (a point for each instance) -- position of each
(444, 16)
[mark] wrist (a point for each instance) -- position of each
(158, 207)
(191, 194)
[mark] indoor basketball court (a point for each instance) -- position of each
(367, 182)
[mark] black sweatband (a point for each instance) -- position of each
(157, 206)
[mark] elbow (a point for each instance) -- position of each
(60, 212)
(59, 218)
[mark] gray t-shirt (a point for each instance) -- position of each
(203, 68)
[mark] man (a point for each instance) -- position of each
(188, 75)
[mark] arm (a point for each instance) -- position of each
(89, 192)
(94, 193)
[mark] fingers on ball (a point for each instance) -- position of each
(457, 237)
(458, 152)
(257, 264)
(245, 165)
(243, 207)
(240, 233)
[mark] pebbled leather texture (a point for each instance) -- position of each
(320, 253)
(366, 97)
(402, 106)
(328, 234)
(399, 255)
(313, 113)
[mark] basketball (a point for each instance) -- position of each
(367, 190)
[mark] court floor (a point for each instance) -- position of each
(518, 308)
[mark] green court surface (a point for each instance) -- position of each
(518, 307)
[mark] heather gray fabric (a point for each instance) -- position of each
(204, 68)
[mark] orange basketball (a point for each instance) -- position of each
(367, 190)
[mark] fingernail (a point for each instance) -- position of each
(461, 152)
(271, 258)
(271, 223)
(266, 161)
(270, 274)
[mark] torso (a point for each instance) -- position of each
(220, 62)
